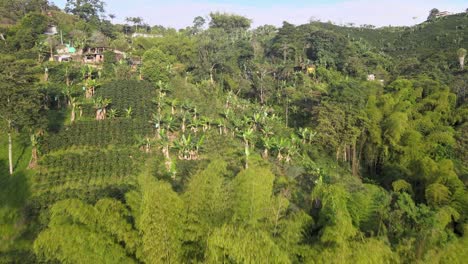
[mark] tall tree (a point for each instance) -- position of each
(161, 223)
(85, 9)
(252, 195)
(229, 22)
(20, 104)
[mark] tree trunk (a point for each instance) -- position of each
(354, 160)
(10, 153)
(34, 158)
(462, 62)
(211, 74)
(73, 115)
(51, 54)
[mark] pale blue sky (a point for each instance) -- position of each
(180, 13)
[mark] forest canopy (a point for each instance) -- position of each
(226, 143)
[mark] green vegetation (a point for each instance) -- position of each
(219, 143)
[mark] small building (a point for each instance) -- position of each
(94, 55)
(65, 53)
(51, 30)
(371, 77)
(443, 14)
(62, 58)
(145, 35)
(66, 49)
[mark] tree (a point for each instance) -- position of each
(230, 23)
(206, 201)
(100, 105)
(461, 57)
(241, 245)
(20, 105)
(157, 65)
(198, 23)
(85, 9)
(252, 195)
(161, 223)
(112, 17)
(214, 51)
(433, 14)
(137, 21)
(81, 233)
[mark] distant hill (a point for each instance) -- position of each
(445, 34)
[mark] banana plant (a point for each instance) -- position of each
(165, 143)
(144, 143)
(183, 146)
(256, 121)
(183, 124)
(194, 125)
(35, 136)
(128, 112)
(90, 86)
(156, 122)
(247, 137)
(169, 123)
(222, 128)
(113, 113)
(198, 146)
(173, 104)
(303, 133)
(101, 105)
(281, 145)
(205, 123)
(268, 145)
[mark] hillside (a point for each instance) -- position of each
(217, 143)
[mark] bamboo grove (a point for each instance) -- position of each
(223, 143)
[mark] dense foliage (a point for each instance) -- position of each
(219, 143)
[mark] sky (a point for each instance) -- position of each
(180, 13)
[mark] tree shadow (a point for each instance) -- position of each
(14, 189)
(23, 141)
(56, 119)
